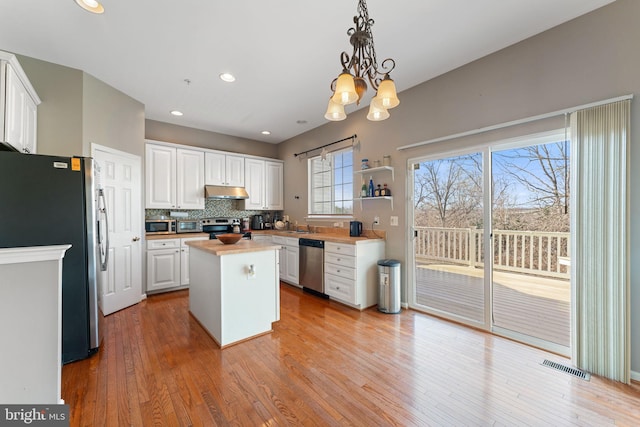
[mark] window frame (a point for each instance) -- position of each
(310, 188)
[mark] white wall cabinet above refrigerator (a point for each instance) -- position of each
(264, 183)
(223, 169)
(174, 177)
(18, 106)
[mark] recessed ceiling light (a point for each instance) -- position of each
(90, 5)
(176, 113)
(227, 77)
(266, 132)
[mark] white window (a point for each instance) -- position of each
(331, 184)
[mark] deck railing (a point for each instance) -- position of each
(530, 252)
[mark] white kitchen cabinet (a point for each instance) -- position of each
(351, 272)
(262, 238)
(223, 169)
(168, 263)
(190, 179)
(163, 264)
(293, 263)
(18, 106)
(184, 258)
(289, 255)
(174, 177)
(264, 183)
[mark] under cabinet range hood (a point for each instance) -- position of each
(221, 192)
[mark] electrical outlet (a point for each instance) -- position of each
(376, 220)
(393, 220)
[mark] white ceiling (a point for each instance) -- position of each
(284, 53)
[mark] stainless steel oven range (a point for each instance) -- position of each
(215, 226)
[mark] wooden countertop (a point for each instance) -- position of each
(216, 247)
(174, 236)
(327, 237)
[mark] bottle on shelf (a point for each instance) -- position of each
(363, 192)
(378, 191)
(371, 188)
(385, 191)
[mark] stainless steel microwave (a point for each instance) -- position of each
(160, 226)
(188, 226)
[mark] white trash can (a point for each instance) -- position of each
(389, 286)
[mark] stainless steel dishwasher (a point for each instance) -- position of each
(312, 265)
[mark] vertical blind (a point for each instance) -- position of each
(600, 226)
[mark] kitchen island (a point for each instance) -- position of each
(235, 291)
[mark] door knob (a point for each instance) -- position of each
(135, 239)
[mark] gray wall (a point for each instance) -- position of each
(111, 119)
(591, 58)
(77, 109)
(60, 113)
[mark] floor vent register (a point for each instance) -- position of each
(567, 369)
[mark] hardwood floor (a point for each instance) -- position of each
(326, 364)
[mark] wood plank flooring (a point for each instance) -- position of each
(327, 365)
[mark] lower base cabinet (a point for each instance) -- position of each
(351, 272)
(289, 259)
(168, 263)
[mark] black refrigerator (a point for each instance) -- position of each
(48, 200)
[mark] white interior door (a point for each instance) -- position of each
(120, 286)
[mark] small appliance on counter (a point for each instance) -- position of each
(257, 222)
(355, 228)
(160, 226)
(188, 226)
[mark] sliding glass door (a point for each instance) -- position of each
(530, 225)
(448, 223)
(491, 239)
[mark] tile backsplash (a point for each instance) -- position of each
(212, 208)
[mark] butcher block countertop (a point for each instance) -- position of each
(174, 236)
(216, 247)
(327, 234)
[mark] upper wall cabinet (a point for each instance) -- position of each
(18, 106)
(223, 169)
(174, 177)
(264, 183)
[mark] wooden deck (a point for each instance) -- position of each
(535, 306)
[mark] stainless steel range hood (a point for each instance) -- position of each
(221, 192)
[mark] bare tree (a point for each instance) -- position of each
(449, 192)
(543, 170)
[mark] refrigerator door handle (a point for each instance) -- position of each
(104, 248)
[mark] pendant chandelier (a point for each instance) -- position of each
(360, 67)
